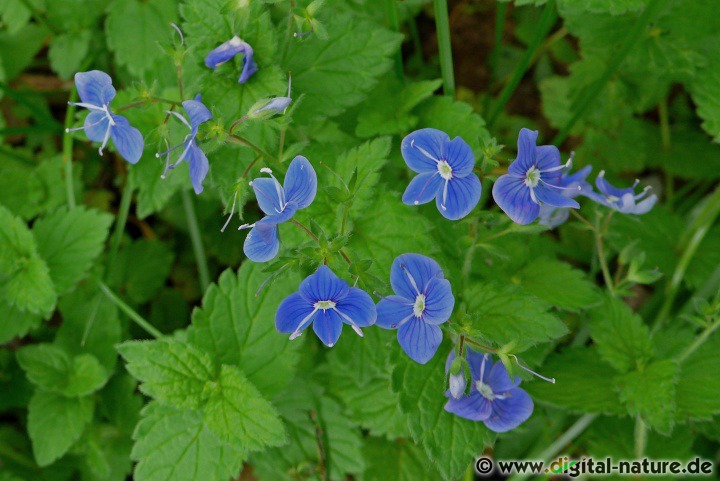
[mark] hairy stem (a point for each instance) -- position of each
(198, 249)
(121, 220)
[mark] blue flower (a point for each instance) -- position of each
(279, 204)
(494, 398)
(227, 51)
(325, 301)
(275, 106)
(423, 299)
(622, 200)
(96, 92)
(573, 185)
(196, 159)
(532, 180)
(445, 169)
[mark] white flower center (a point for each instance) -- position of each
(485, 390)
(444, 169)
(532, 177)
(419, 306)
(324, 305)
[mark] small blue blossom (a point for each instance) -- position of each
(573, 185)
(494, 398)
(279, 204)
(227, 51)
(96, 92)
(532, 180)
(423, 300)
(622, 200)
(325, 301)
(195, 157)
(445, 169)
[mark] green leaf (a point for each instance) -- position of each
(623, 339)
(237, 327)
(456, 119)
(705, 90)
(67, 51)
(698, 387)
(396, 461)
(69, 241)
(16, 323)
(175, 445)
(650, 394)
(240, 416)
(17, 49)
(171, 371)
(559, 284)
(55, 423)
(141, 269)
(507, 314)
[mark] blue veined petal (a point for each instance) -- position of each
(410, 273)
(554, 197)
(423, 149)
(526, 152)
(324, 285)
(96, 125)
(463, 194)
(249, 66)
(221, 54)
(578, 178)
(198, 164)
(269, 194)
(419, 339)
(392, 310)
(499, 380)
(127, 139)
(300, 183)
(197, 112)
(473, 407)
(510, 412)
(608, 189)
(548, 157)
(480, 365)
(359, 307)
(293, 311)
(262, 243)
(439, 301)
(328, 327)
(423, 188)
(284, 216)
(644, 206)
(94, 87)
(513, 197)
(460, 156)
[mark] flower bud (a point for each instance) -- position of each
(457, 379)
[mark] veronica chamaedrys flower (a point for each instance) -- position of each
(325, 301)
(195, 157)
(494, 398)
(573, 185)
(445, 169)
(532, 180)
(227, 51)
(622, 200)
(279, 203)
(423, 300)
(96, 92)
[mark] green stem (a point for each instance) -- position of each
(198, 249)
(699, 341)
(236, 139)
(122, 216)
(150, 101)
(633, 35)
(393, 18)
(129, 311)
(500, 12)
(442, 25)
(600, 246)
(547, 20)
(665, 138)
(640, 437)
(67, 148)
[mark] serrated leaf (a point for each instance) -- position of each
(698, 387)
(559, 284)
(650, 394)
(396, 461)
(67, 51)
(16, 323)
(69, 241)
(141, 269)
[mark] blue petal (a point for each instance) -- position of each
(463, 194)
(249, 66)
(284, 216)
(608, 189)
(418, 145)
(479, 370)
(439, 301)
(292, 311)
(359, 307)
(128, 140)
(277, 105)
(644, 206)
(94, 87)
(554, 197)
(460, 156)
(499, 380)
(225, 52)
(526, 152)
(324, 285)
(262, 243)
(328, 327)
(510, 412)
(419, 339)
(96, 126)
(552, 216)
(420, 268)
(578, 178)
(197, 112)
(300, 183)
(423, 188)
(473, 407)
(392, 310)
(199, 166)
(548, 157)
(269, 194)
(513, 197)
